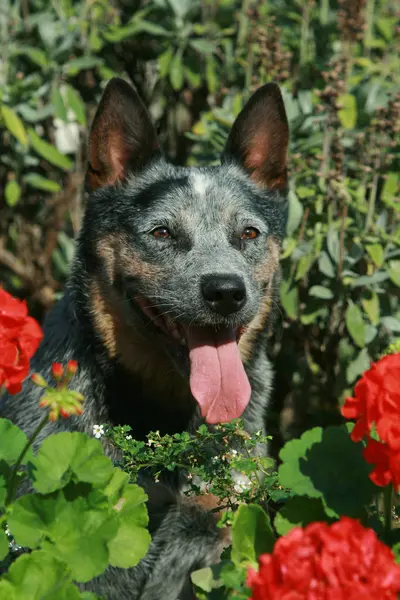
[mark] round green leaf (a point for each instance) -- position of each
(66, 455)
(41, 576)
(12, 193)
(326, 464)
(133, 521)
(13, 441)
(75, 531)
(299, 512)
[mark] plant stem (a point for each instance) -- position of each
(387, 507)
(14, 474)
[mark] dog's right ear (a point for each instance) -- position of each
(122, 139)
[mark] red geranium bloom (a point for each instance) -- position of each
(343, 561)
(377, 404)
(386, 461)
(377, 401)
(20, 336)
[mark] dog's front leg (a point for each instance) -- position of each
(187, 539)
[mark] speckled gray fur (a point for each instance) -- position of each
(205, 209)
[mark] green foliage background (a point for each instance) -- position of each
(195, 63)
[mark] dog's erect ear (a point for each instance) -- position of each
(259, 138)
(122, 139)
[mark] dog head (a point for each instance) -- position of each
(185, 257)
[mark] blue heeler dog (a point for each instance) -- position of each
(167, 306)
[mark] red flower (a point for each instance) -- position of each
(377, 401)
(20, 336)
(377, 404)
(72, 367)
(386, 461)
(57, 370)
(343, 561)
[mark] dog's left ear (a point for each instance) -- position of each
(259, 138)
(122, 140)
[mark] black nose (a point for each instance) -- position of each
(224, 294)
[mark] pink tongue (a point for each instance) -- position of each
(218, 380)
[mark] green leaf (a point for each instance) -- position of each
(36, 55)
(376, 253)
(74, 66)
(396, 552)
(164, 61)
(304, 265)
(203, 579)
(251, 534)
(12, 193)
(355, 324)
(295, 215)
(7, 590)
(289, 298)
(203, 46)
(326, 266)
(13, 441)
(319, 291)
(371, 307)
(327, 464)
(3, 545)
(394, 271)
(58, 103)
(41, 183)
(75, 531)
(357, 366)
(3, 489)
(176, 72)
(41, 576)
(75, 103)
(390, 187)
(299, 512)
(333, 245)
(133, 522)
(14, 124)
(211, 75)
(391, 323)
(65, 455)
(348, 114)
(49, 152)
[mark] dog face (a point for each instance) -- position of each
(186, 257)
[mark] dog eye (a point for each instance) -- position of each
(161, 232)
(250, 233)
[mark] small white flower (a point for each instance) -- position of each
(98, 431)
(128, 437)
(241, 485)
(234, 452)
(190, 476)
(215, 459)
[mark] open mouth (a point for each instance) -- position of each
(218, 380)
(170, 327)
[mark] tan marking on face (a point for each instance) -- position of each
(125, 339)
(264, 274)
(120, 257)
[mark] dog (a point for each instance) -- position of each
(167, 308)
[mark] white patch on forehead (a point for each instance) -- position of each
(200, 183)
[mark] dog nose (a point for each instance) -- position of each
(224, 294)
